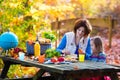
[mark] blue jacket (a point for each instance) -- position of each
(100, 58)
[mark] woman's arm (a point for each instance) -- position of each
(62, 44)
(88, 51)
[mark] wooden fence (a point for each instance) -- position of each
(63, 26)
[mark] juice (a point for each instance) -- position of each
(81, 57)
(37, 49)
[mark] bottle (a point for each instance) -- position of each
(37, 48)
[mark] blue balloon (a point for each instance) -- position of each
(8, 40)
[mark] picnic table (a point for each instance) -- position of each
(67, 71)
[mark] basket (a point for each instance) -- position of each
(43, 47)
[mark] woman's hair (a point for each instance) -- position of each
(83, 23)
(98, 43)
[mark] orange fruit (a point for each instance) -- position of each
(30, 42)
(41, 58)
(80, 51)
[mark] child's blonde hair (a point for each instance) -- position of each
(98, 43)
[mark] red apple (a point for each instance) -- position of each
(54, 59)
(60, 59)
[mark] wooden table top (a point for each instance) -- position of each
(66, 68)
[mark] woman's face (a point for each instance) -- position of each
(80, 32)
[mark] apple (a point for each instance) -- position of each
(61, 59)
(54, 59)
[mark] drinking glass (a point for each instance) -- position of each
(21, 55)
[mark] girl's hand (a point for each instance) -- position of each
(66, 52)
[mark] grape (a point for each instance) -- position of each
(17, 50)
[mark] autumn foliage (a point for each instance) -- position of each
(113, 53)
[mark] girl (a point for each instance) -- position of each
(98, 55)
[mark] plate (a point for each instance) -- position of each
(64, 62)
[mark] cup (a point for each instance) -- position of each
(81, 57)
(21, 55)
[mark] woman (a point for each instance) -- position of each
(79, 39)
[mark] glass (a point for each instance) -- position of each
(21, 55)
(81, 57)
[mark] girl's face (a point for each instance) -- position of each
(80, 32)
(93, 46)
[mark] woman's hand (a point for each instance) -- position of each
(66, 52)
